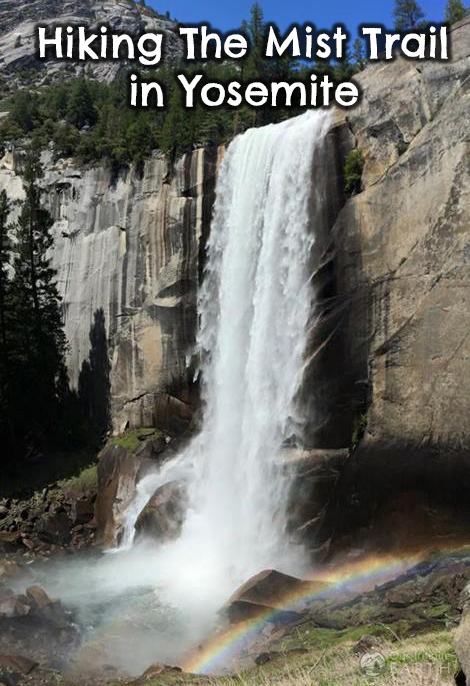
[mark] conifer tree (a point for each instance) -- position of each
(455, 11)
(5, 248)
(358, 54)
(38, 343)
(255, 29)
(80, 108)
(408, 15)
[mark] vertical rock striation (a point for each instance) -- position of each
(131, 245)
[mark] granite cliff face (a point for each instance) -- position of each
(399, 303)
(131, 245)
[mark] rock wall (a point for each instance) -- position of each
(400, 301)
(128, 252)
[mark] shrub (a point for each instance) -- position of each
(353, 168)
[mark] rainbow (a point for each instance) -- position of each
(217, 655)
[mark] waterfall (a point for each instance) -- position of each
(255, 308)
(254, 305)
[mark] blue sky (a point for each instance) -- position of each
(226, 14)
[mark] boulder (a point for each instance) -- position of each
(11, 570)
(163, 516)
(55, 528)
(275, 589)
(14, 606)
(13, 668)
(119, 469)
(38, 597)
(159, 669)
(239, 611)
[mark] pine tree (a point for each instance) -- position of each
(23, 111)
(255, 29)
(5, 248)
(408, 15)
(455, 11)
(179, 129)
(37, 358)
(80, 108)
(358, 54)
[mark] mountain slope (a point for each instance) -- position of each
(18, 37)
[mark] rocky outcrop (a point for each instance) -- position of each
(275, 589)
(118, 472)
(128, 251)
(18, 37)
(162, 518)
(51, 520)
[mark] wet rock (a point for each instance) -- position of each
(400, 256)
(38, 597)
(12, 570)
(163, 516)
(119, 469)
(276, 589)
(158, 669)
(14, 606)
(154, 447)
(242, 611)
(83, 510)
(314, 475)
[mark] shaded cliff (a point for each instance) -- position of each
(399, 306)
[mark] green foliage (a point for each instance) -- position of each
(92, 121)
(353, 168)
(80, 108)
(38, 410)
(455, 11)
(359, 428)
(66, 139)
(83, 485)
(23, 111)
(35, 341)
(407, 15)
(358, 55)
(132, 439)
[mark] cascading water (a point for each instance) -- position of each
(255, 306)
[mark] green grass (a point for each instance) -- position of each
(133, 438)
(82, 485)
